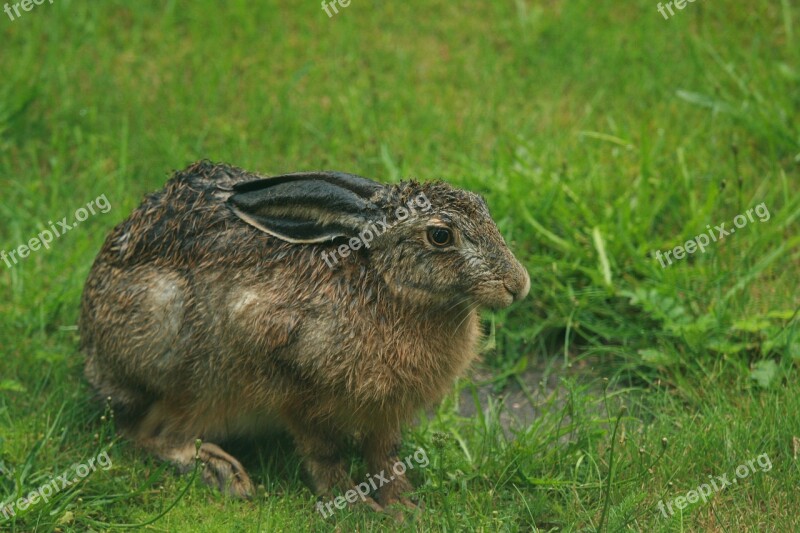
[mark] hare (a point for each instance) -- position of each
(323, 304)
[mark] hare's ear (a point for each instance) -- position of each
(308, 207)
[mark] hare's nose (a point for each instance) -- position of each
(519, 286)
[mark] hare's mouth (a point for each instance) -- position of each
(509, 289)
(518, 292)
(498, 294)
(501, 301)
(516, 289)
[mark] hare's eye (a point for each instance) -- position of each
(440, 236)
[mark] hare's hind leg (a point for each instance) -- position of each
(160, 433)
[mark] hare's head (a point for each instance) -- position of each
(434, 245)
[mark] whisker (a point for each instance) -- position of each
(470, 309)
(458, 302)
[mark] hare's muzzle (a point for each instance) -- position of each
(511, 286)
(518, 282)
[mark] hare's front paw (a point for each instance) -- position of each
(224, 472)
(220, 469)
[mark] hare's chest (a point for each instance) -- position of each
(416, 364)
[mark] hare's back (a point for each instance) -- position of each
(185, 224)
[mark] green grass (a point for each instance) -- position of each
(598, 132)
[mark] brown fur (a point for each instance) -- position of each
(198, 325)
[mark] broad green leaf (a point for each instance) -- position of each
(765, 373)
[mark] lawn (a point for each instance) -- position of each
(645, 384)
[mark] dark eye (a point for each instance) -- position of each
(440, 236)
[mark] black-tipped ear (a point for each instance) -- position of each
(307, 207)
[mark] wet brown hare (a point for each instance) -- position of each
(211, 313)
